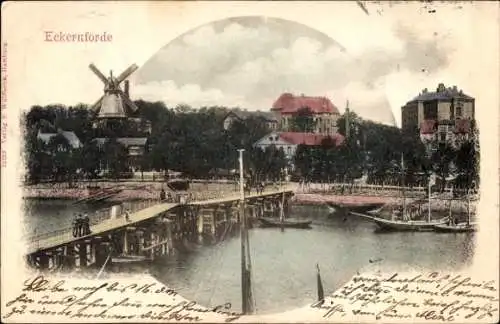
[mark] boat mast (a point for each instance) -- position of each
(429, 202)
(468, 207)
(282, 211)
(451, 201)
(403, 184)
(246, 304)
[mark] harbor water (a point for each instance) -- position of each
(283, 262)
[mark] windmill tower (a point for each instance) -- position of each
(115, 102)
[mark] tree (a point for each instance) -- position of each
(92, 156)
(441, 160)
(115, 157)
(61, 157)
(303, 121)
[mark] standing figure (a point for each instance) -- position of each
(127, 215)
(79, 225)
(86, 224)
(162, 194)
(75, 225)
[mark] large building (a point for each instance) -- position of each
(444, 115)
(234, 115)
(289, 141)
(324, 113)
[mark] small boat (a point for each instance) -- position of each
(269, 222)
(403, 225)
(457, 228)
(362, 208)
(130, 259)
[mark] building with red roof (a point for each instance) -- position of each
(289, 141)
(324, 112)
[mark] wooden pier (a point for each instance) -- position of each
(151, 232)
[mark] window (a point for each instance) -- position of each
(459, 111)
(442, 136)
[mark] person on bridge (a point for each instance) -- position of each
(86, 225)
(162, 194)
(76, 222)
(79, 225)
(127, 215)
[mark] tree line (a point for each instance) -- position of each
(194, 141)
(385, 154)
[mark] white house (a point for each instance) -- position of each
(289, 141)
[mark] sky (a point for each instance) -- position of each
(247, 54)
(248, 62)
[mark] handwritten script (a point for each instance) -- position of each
(417, 297)
(436, 297)
(108, 301)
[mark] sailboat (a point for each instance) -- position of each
(463, 227)
(406, 223)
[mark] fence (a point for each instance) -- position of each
(105, 214)
(369, 189)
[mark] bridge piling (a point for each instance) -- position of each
(154, 231)
(82, 254)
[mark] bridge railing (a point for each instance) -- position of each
(105, 214)
(372, 189)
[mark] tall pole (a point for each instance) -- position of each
(429, 204)
(245, 275)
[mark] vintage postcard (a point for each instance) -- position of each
(185, 161)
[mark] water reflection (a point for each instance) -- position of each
(283, 262)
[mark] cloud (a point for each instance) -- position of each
(252, 65)
(191, 94)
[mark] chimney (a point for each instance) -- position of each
(441, 87)
(126, 87)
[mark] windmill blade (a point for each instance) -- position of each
(98, 73)
(97, 105)
(127, 72)
(129, 103)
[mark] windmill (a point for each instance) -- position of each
(115, 103)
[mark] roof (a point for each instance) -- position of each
(243, 114)
(125, 141)
(309, 139)
(462, 126)
(441, 93)
(287, 103)
(71, 137)
(428, 126)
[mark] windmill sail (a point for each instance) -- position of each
(114, 103)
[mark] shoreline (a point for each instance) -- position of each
(299, 199)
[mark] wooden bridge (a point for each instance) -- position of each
(152, 231)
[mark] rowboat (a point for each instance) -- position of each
(269, 222)
(402, 225)
(129, 259)
(458, 228)
(363, 208)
